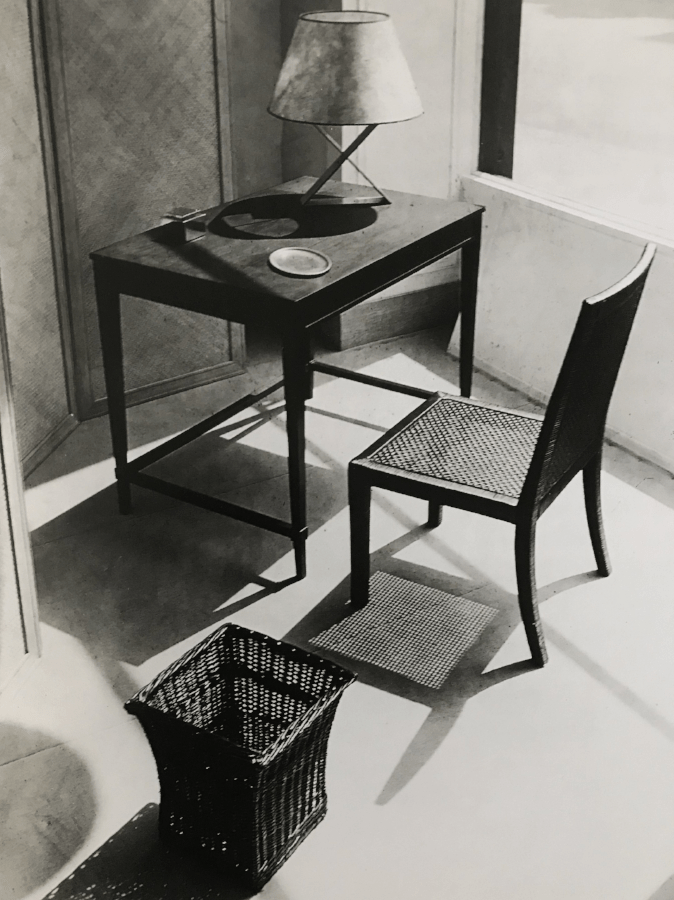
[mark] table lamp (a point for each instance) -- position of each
(345, 68)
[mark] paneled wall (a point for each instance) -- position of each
(253, 56)
(40, 395)
(139, 96)
(153, 110)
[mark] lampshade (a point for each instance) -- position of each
(345, 68)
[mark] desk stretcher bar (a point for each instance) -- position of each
(135, 475)
(339, 372)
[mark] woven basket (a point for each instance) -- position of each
(239, 728)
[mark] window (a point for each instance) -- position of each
(593, 121)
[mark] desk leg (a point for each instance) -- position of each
(109, 318)
(470, 262)
(297, 386)
(308, 356)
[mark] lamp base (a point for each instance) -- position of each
(336, 198)
(345, 195)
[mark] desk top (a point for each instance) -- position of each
(226, 271)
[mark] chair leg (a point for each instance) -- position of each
(525, 565)
(360, 493)
(434, 514)
(592, 490)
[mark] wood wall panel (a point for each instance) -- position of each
(137, 116)
(40, 393)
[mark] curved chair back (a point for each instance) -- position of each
(573, 428)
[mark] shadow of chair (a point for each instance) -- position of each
(471, 669)
(504, 464)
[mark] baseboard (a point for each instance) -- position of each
(168, 387)
(13, 682)
(387, 316)
(48, 444)
(613, 435)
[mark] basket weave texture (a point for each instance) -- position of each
(239, 729)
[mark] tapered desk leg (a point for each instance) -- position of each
(296, 377)
(109, 318)
(308, 371)
(470, 261)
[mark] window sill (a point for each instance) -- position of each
(476, 188)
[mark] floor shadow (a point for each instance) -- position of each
(156, 420)
(148, 423)
(47, 809)
(665, 891)
(446, 703)
(667, 38)
(133, 865)
(473, 673)
(640, 474)
(620, 691)
(284, 215)
(129, 587)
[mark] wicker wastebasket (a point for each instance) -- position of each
(239, 729)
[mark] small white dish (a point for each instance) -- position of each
(299, 262)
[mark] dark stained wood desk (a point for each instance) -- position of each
(225, 273)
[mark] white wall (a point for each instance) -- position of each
(539, 261)
(415, 156)
(418, 156)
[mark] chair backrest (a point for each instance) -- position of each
(575, 419)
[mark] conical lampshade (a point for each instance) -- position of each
(345, 68)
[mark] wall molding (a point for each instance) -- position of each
(24, 590)
(169, 386)
(66, 242)
(54, 200)
(478, 187)
(221, 13)
(466, 87)
(49, 443)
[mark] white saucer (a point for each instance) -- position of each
(300, 262)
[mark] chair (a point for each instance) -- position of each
(508, 465)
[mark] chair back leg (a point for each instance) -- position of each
(360, 495)
(592, 490)
(525, 567)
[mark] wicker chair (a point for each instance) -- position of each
(507, 465)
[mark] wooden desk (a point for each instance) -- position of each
(225, 273)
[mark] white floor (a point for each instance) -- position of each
(507, 782)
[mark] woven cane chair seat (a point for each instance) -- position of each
(477, 446)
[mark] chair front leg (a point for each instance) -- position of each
(592, 491)
(360, 493)
(525, 566)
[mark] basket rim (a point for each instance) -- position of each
(140, 700)
(182, 661)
